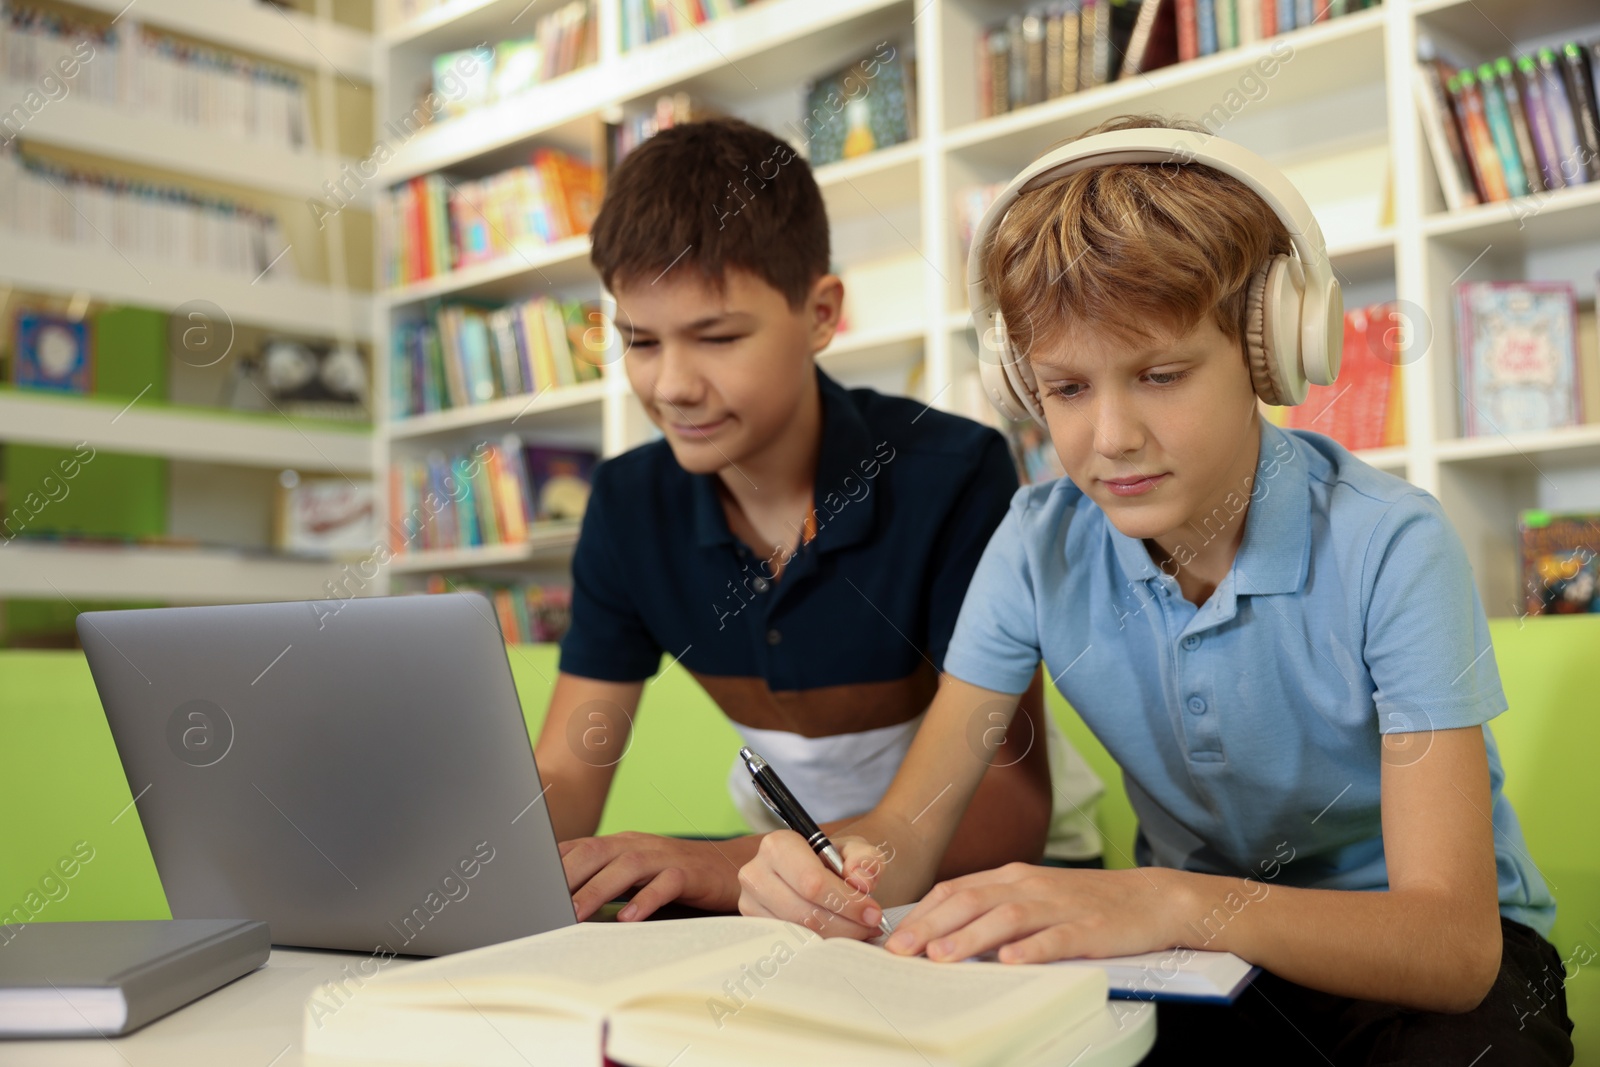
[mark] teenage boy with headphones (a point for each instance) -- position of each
(1280, 645)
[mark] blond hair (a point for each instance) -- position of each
(1133, 251)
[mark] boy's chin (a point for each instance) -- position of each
(1140, 522)
(699, 457)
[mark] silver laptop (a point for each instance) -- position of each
(355, 772)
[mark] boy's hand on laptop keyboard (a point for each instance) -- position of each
(702, 874)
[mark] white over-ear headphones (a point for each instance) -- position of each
(1294, 312)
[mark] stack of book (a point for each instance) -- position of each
(1365, 408)
(563, 40)
(140, 219)
(1060, 47)
(528, 612)
(1512, 127)
(491, 496)
(464, 355)
(132, 67)
(434, 225)
(644, 21)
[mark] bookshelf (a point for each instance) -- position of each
(1337, 115)
(222, 466)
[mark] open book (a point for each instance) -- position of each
(1171, 974)
(718, 992)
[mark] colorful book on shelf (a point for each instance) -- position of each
(644, 21)
(1153, 41)
(463, 354)
(434, 225)
(558, 481)
(1560, 569)
(528, 612)
(1516, 345)
(1563, 117)
(1444, 136)
(1581, 91)
(1511, 91)
(491, 496)
(867, 105)
(1502, 131)
(464, 80)
(1539, 124)
(1364, 408)
(1486, 165)
(52, 353)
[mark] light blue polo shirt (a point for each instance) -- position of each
(1248, 728)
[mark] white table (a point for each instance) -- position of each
(255, 1022)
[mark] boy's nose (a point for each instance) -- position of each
(677, 379)
(1118, 429)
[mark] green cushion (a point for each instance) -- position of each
(61, 783)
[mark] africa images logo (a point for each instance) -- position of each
(199, 732)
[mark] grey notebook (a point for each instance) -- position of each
(99, 979)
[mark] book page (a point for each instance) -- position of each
(847, 992)
(589, 963)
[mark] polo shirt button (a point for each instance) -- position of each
(761, 585)
(773, 637)
(1191, 642)
(1197, 705)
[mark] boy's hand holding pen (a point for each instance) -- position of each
(860, 916)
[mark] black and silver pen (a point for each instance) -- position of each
(776, 796)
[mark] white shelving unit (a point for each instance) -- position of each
(1336, 113)
(224, 464)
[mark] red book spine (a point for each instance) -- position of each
(1188, 31)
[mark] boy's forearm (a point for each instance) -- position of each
(1422, 949)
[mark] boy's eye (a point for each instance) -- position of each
(720, 340)
(1167, 377)
(1065, 392)
(642, 342)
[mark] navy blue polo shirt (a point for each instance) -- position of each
(852, 634)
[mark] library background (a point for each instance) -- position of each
(271, 272)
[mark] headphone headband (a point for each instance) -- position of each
(1320, 338)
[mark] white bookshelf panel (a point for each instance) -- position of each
(510, 277)
(182, 433)
(566, 406)
(287, 36)
(172, 575)
(103, 274)
(548, 541)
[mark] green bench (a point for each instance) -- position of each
(61, 783)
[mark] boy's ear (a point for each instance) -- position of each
(824, 305)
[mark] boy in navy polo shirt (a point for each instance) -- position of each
(1281, 646)
(800, 548)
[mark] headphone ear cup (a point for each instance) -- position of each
(1007, 380)
(1025, 385)
(1272, 332)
